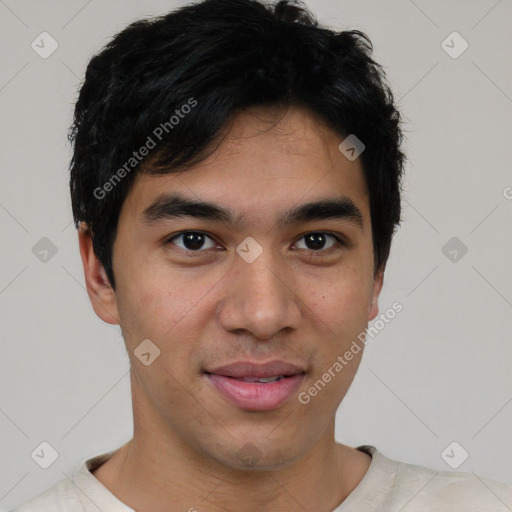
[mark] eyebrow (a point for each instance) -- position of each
(170, 206)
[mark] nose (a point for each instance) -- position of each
(262, 298)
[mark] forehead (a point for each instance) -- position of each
(268, 161)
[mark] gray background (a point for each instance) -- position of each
(439, 372)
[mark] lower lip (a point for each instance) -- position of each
(256, 396)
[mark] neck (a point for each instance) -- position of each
(146, 478)
(159, 471)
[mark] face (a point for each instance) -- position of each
(248, 285)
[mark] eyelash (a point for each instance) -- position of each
(190, 252)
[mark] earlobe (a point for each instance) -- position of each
(101, 294)
(378, 281)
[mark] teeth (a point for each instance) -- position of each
(262, 379)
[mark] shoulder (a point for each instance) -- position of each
(430, 490)
(76, 494)
(62, 497)
(391, 485)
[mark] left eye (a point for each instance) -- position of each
(194, 241)
(316, 240)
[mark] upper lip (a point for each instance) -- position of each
(250, 369)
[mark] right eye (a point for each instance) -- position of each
(191, 241)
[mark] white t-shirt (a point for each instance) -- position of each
(388, 486)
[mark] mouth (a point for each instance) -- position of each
(260, 380)
(256, 387)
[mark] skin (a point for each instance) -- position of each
(215, 309)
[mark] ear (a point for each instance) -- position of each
(101, 294)
(378, 281)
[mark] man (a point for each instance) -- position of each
(236, 184)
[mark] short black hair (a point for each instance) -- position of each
(173, 83)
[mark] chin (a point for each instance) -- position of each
(260, 454)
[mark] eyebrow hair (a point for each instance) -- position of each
(169, 206)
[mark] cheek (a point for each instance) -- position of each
(341, 300)
(343, 307)
(171, 319)
(171, 310)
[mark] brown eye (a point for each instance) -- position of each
(316, 241)
(192, 241)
